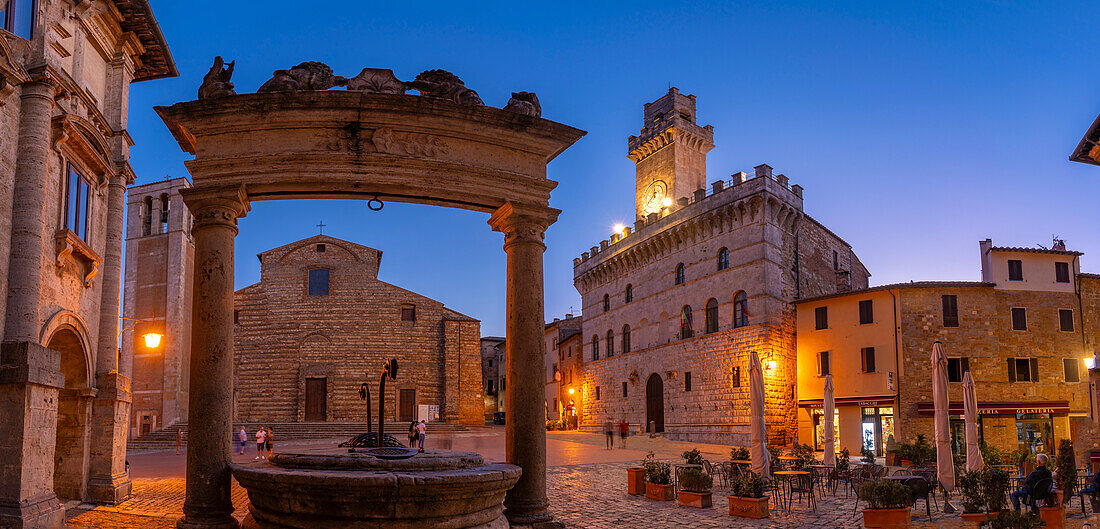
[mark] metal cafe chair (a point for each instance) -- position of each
(803, 485)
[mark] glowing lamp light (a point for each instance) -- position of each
(571, 391)
(1090, 362)
(666, 202)
(618, 228)
(152, 340)
(771, 365)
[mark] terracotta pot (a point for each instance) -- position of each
(887, 518)
(654, 491)
(748, 507)
(635, 481)
(688, 498)
(891, 457)
(975, 517)
(1054, 516)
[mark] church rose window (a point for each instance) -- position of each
(318, 282)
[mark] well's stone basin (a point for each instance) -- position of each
(330, 488)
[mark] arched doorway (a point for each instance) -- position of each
(371, 142)
(655, 404)
(74, 407)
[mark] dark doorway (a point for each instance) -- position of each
(406, 405)
(316, 399)
(73, 443)
(655, 404)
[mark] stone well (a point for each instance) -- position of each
(349, 488)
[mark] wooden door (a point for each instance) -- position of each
(316, 399)
(655, 403)
(406, 405)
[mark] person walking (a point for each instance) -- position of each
(421, 433)
(179, 440)
(261, 443)
(413, 435)
(624, 431)
(609, 432)
(242, 440)
(269, 440)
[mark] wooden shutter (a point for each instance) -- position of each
(868, 359)
(964, 366)
(1034, 369)
(1012, 370)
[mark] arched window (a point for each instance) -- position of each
(606, 302)
(712, 316)
(685, 322)
(629, 293)
(595, 347)
(147, 216)
(680, 274)
(723, 259)
(740, 309)
(610, 343)
(626, 338)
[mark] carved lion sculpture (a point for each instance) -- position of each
(310, 75)
(526, 103)
(216, 82)
(441, 84)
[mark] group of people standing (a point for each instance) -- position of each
(265, 442)
(609, 431)
(417, 432)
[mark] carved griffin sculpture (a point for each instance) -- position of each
(216, 82)
(310, 75)
(441, 84)
(526, 103)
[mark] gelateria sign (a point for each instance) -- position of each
(1000, 408)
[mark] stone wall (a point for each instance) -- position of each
(284, 336)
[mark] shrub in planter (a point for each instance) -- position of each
(658, 479)
(994, 456)
(923, 451)
(692, 457)
(747, 498)
(804, 453)
(970, 486)
(887, 504)
(1012, 520)
(695, 488)
(868, 455)
(844, 460)
(995, 488)
(774, 452)
(739, 453)
(1067, 467)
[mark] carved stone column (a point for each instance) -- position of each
(207, 504)
(28, 218)
(525, 432)
(108, 482)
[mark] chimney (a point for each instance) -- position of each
(763, 170)
(843, 281)
(985, 247)
(1059, 245)
(568, 316)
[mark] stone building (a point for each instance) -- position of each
(157, 292)
(65, 73)
(673, 306)
(492, 374)
(1024, 333)
(558, 375)
(319, 323)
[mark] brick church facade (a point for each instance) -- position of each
(319, 323)
(673, 306)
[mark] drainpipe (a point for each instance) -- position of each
(897, 363)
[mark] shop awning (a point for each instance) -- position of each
(1001, 408)
(878, 400)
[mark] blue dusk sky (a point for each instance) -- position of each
(916, 128)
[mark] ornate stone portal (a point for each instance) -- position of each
(297, 140)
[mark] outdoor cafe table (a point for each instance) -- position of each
(788, 460)
(790, 474)
(822, 473)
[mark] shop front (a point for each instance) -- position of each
(857, 422)
(1031, 426)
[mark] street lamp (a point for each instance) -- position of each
(571, 391)
(152, 339)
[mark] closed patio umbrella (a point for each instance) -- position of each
(945, 465)
(974, 461)
(829, 459)
(758, 449)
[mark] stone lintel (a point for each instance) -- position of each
(30, 363)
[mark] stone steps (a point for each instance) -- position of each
(165, 439)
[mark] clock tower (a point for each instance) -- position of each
(670, 153)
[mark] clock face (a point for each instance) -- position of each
(654, 196)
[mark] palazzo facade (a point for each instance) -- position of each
(65, 72)
(673, 306)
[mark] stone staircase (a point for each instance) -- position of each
(165, 439)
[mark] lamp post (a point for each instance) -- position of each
(152, 339)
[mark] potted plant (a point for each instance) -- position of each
(747, 498)
(868, 455)
(692, 457)
(887, 504)
(973, 496)
(658, 479)
(1067, 469)
(739, 453)
(995, 489)
(923, 451)
(1009, 519)
(804, 453)
(695, 486)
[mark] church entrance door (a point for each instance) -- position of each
(316, 401)
(655, 404)
(406, 405)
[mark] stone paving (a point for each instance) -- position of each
(591, 493)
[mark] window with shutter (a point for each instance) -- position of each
(821, 318)
(950, 310)
(1015, 270)
(1061, 272)
(823, 363)
(867, 355)
(1065, 320)
(866, 312)
(1071, 366)
(1019, 319)
(956, 369)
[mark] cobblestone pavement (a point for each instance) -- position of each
(591, 493)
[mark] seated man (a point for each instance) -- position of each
(1040, 473)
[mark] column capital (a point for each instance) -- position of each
(217, 206)
(523, 223)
